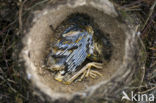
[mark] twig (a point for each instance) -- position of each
(9, 80)
(133, 88)
(4, 41)
(1, 71)
(133, 3)
(150, 14)
(130, 7)
(153, 64)
(143, 76)
(153, 48)
(14, 90)
(2, 78)
(6, 28)
(147, 90)
(20, 15)
(4, 51)
(152, 75)
(37, 4)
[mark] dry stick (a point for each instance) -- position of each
(143, 76)
(130, 6)
(153, 48)
(152, 75)
(4, 51)
(150, 14)
(143, 68)
(38, 3)
(1, 71)
(6, 28)
(20, 15)
(12, 81)
(153, 64)
(147, 90)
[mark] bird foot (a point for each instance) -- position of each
(86, 72)
(92, 73)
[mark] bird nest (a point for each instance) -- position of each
(122, 52)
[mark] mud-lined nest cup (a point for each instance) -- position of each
(126, 50)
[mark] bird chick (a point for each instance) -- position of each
(73, 47)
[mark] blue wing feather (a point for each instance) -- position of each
(78, 55)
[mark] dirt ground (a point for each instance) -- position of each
(16, 88)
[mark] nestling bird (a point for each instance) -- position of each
(74, 47)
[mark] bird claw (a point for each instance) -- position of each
(92, 73)
(86, 71)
